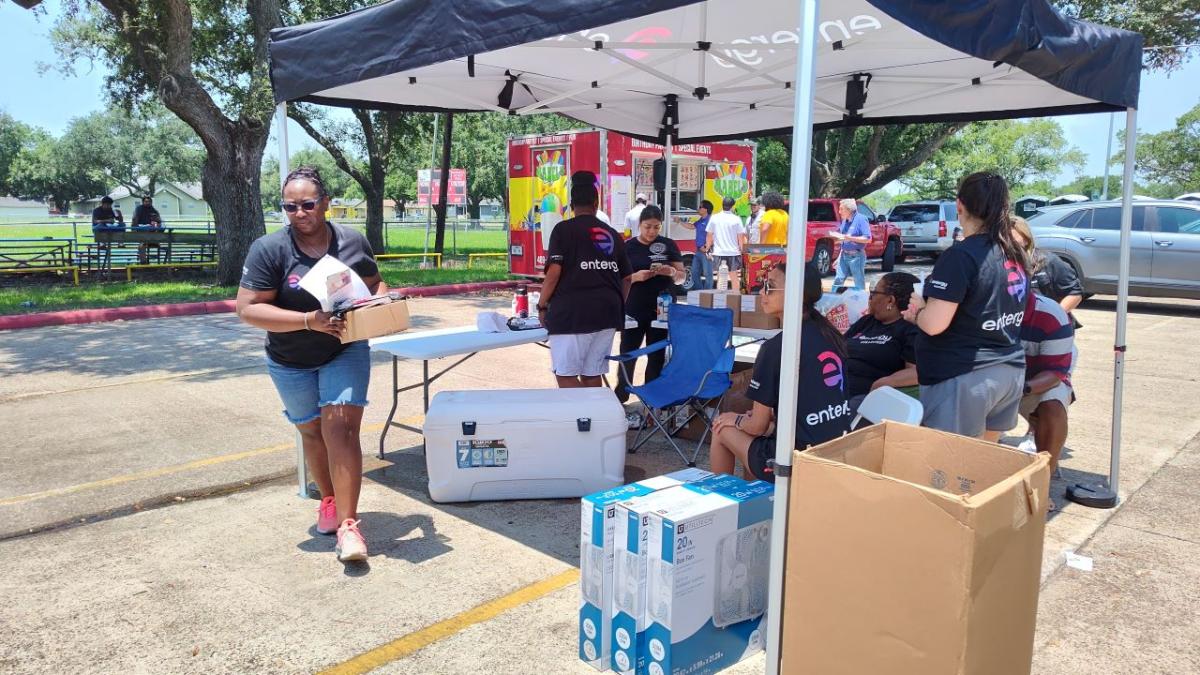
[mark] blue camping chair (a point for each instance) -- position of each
(701, 360)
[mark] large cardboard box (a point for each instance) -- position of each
(913, 552)
(596, 549)
(375, 321)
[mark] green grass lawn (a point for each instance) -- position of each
(399, 239)
(23, 296)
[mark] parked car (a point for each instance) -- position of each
(927, 227)
(1164, 245)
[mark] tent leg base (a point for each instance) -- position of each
(1096, 497)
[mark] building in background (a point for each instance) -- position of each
(356, 209)
(26, 209)
(174, 201)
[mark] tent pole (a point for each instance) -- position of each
(281, 135)
(668, 159)
(785, 437)
(429, 206)
(1101, 496)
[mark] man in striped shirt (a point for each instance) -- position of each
(1049, 338)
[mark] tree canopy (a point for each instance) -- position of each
(1171, 158)
(44, 170)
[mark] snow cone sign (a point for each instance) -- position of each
(728, 180)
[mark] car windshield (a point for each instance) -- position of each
(915, 213)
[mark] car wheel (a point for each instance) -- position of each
(823, 258)
(890, 253)
(686, 285)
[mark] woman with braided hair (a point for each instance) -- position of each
(881, 345)
(323, 383)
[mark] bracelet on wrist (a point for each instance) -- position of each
(306, 321)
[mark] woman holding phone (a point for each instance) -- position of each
(657, 266)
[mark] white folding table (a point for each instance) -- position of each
(425, 346)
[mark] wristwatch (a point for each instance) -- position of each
(1028, 389)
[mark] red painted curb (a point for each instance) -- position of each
(76, 316)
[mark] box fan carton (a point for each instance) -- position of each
(597, 529)
(707, 578)
(913, 551)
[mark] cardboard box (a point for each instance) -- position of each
(708, 575)
(597, 527)
(913, 551)
(760, 320)
(693, 298)
(375, 321)
(724, 300)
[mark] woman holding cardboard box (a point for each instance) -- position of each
(822, 410)
(323, 383)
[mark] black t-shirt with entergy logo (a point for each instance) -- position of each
(822, 411)
(991, 293)
(588, 297)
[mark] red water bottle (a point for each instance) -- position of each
(521, 303)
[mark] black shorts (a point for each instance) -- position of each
(760, 458)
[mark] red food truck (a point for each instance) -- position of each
(539, 175)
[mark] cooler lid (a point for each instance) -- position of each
(496, 406)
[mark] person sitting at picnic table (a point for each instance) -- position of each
(657, 265)
(322, 382)
(822, 411)
(881, 345)
(105, 218)
(1048, 337)
(583, 297)
(145, 216)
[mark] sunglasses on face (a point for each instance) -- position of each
(307, 205)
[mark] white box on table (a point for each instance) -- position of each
(709, 563)
(597, 527)
(524, 444)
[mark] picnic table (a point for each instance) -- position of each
(29, 256)
(196, 247)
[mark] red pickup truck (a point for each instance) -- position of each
(822, 248)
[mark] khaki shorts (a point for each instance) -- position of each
(581, 354)
(1061, 393)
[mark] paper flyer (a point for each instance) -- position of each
(334, 284)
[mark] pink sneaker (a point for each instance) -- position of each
(327, 520)
(351, 546)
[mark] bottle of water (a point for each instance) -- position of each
(723, 277)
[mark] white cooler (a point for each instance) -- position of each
(524, 443)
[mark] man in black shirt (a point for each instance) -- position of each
(104, 217)
(146, 216)
(583, 296)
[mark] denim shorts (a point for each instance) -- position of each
(342, 381)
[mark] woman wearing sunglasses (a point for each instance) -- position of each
(822, 411)
(323, 383)
(881, 344)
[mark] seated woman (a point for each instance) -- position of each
(881, 344)
(822, 411)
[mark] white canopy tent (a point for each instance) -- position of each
(685, 71)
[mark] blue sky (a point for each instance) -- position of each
(50, 99)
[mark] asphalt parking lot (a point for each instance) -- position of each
(149, 519)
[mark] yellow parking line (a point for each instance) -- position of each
(169, 470)
(413, 642)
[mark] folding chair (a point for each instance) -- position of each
(698, 371)
(889, 403)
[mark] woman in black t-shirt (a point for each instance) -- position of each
(970, 361)
(881, 344)
(657, 265)
(822, 411)
(323, 383)
(1049, 274)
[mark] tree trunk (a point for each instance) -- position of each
(231, 178)
(374, 201)
(443, 189)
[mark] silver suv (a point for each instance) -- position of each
(1164, 246)
(926, 228)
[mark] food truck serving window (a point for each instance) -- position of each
(687, 180)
